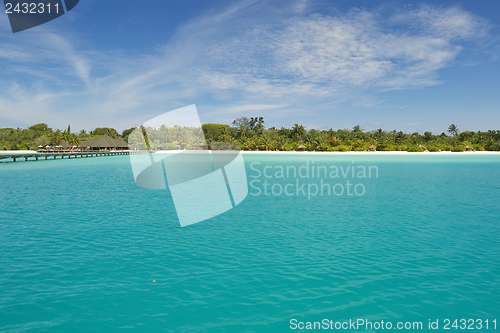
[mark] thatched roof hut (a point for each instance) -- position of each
(120, 143)
(373, 147)
(85, 142)
(65, 144)
(105, 142)
(302, 147)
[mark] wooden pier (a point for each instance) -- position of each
(60, 155)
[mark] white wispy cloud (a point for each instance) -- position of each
(327, 55)
(265, 56)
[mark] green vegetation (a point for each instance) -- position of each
(100, 131)
(41, 135)
(168, 138)
(251, 134)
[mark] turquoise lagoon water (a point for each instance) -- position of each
(80, 245)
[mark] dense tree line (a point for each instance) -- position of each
(167, 138)
(251, 134)
(42, 135)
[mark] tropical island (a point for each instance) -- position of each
(251, 134)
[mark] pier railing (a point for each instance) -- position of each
(41, 155)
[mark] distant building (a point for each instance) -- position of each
(105, 142)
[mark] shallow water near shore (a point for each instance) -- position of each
(80, 245)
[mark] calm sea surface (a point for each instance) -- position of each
(80, 245)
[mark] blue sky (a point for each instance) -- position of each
(405, 65)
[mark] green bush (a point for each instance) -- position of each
(458, 149)
(433, 149)
(414, 149)
(213, 131)
(477, 147)
(342, 148)
(99, 131)
(494, 146)
(388, 148)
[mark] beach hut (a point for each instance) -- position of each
(468, 147)
(373, 147)
(105, 142)
(301, 147)
(85, 142)
(65, 144)
(120, 144)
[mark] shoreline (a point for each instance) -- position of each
(12, 152)
(375, 152)
(342, 152)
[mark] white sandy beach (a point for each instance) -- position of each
(10, 152)
(339, 152)
(374, 152)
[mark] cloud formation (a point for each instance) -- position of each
(251, 54)
(325, 55)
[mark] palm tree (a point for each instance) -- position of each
(298, 130)
(73, 140)
(284, 131)
(281, 142)
(357, 129)
(317, 143)
(242, 131)
(66, 136)
(358, 144)
(265, 142)
(400, 137)
(136, 139)
(55, 137)
(453, 130)
(334, 142)
(378, 133)
(249, 144)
